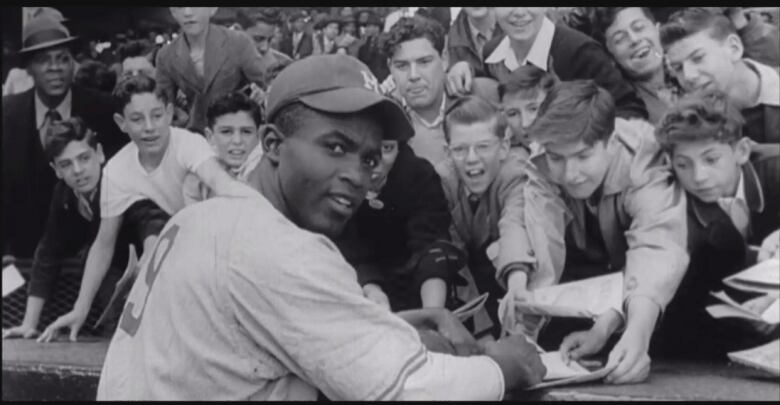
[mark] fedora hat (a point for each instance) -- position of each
(44, 32)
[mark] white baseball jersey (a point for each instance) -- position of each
(237, 303)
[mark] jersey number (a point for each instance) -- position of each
(128, 322)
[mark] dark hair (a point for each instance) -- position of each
(232, 103)
(690, 21)
(60, 133)
(700, 116)
(129, 86)
(526, 79)
(577, 110)
(604, 17)
(95, 75)
(411, 28)
(136, 48)
(266, 17)
(471, 110)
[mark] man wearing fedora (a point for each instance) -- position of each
(28, 181)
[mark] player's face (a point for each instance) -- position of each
(520, 23)
(633, 41)
(520, 110)
(325, 168)
(477, 154)
(709, 169)
(232, 137)
(700, 62)
(79, 166)
(418, 71)
(193, 20)
(147, 120)
(389, 154)
(578, 167)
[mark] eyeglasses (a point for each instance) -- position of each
(482, 149)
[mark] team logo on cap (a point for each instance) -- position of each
(370, 82)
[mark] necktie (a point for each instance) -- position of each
(738, 212)
(50, 117)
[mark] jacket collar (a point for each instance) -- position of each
(754, 196)
(538, 55)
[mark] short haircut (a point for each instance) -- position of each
(706, 115)
(129, 86)
(528, 80)
(135, 49)
(409, 29)
(266, 16)
(471, 110)
(61, 133)
(604, 17)
(231, 103)
(690, 21)
(577, 110)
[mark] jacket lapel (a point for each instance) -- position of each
(184, 65)
(217, 52)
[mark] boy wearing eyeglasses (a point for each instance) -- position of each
(484, 191)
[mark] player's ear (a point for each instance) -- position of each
(271, 138)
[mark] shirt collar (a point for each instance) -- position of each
(64, 108)
(475, 31)
(436, 122)
(537, 55)
(769, 83)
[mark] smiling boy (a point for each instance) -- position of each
(704, 52)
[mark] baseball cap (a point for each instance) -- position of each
(336, 84)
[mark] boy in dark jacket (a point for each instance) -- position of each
(399, 239)
(733, 190)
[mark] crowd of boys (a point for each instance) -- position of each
(306, 226)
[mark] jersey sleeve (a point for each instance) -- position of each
(314, 320)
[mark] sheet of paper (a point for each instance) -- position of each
(772, 313)
(582, 299)
(470, 308)
(12, 280)
(577, 379)
(557, 369)
(762, 277)
(718, 311)
(765, 357)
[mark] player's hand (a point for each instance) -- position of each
(629, 358)
(451, 328)
(519, 361)
(770, 247)
(374, 293)
(459, 79)
(22, 331)
(581, 344)
(73, 320)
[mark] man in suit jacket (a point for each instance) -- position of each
(299, 43)
(206, 62)
(28, 181)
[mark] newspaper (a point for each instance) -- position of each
(765, 308)
(765, 357)
(763, 277)
(559, 373)
(580, 299)
(12, 280)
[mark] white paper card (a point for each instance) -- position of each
(12, 280)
